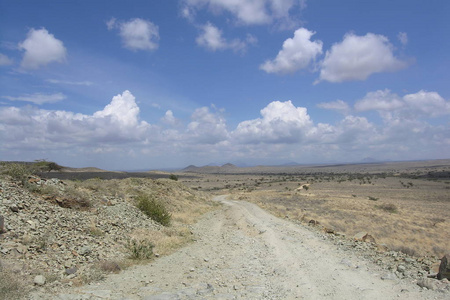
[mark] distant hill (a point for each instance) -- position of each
(369, 160)
(226, 168)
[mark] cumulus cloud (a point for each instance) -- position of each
(29, 127)
(136, 34)
(207, 127)
(249, 12)
(283, 131)
(41, 48)
(5, 60)
(338, 105)
(411, 106)
(122, 110)
(381, 100)
(170, 119)
(281, 122)
(357, 57)
(297, 53)
(211, 38)
(38, 98)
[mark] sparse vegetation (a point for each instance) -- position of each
(140, 249)
(17, 171)
(153, 208)
(389, 207)
(395, 213)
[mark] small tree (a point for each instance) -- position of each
(41, 165)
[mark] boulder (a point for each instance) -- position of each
(39, 280)
(313, 222)
(427, 283)
(364, 237)
(359, 236)
(444, 268)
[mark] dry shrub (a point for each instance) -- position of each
(140, 249)
(389, 207)
(110, 266)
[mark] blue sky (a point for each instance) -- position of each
(160, 84)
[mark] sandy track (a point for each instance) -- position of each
(242, 252)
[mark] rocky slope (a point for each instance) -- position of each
(47, 241)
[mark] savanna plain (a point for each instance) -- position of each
(224, 232)
(403, 205)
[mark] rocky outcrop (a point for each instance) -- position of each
(444, 268)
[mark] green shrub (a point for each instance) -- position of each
(141, 249)
(373, 198)
(173, 177)
(154, 209)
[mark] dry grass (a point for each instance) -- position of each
(166, 240)
(398, 207)
(402, 220)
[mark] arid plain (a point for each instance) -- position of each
(403, 205)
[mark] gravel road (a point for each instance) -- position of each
(243, 252)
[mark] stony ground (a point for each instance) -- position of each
(242, 252)
(48, 243)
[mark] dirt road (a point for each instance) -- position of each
(243, 252)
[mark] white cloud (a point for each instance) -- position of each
(56, 81)
(248, 12)
(282, 133)
(111, 23)
(211, 38)
(281, 122)
(411, 106)
(136, 34)
(38, 98)
(429, 104)
(123, 110)
(5, 60)
(357, 57)
(381, 100)
(297, 53)
(30, 127)
(41, 48)
(170, 119)
(338, 105)
(403, 38)
(206, 127)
